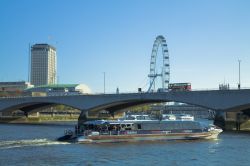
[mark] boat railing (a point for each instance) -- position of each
(107, 132)
(132, 132)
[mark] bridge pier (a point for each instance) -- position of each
(237, 121)
(83, 116)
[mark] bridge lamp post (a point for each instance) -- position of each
(239, 74)
(104, 82)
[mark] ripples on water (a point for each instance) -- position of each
(23, 143)
(36, 145)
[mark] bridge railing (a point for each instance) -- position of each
(214, 89)
(110, 93)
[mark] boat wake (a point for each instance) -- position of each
(27, 143)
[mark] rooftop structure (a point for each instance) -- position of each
(61, 89)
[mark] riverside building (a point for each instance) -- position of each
(59, 89)
(13, 88)
(43, 64)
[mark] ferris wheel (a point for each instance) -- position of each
(165, 71)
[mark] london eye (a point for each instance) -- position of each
(164, 74)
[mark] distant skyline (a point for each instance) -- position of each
(205, 40)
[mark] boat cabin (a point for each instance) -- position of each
(102, 125)
(171, 126)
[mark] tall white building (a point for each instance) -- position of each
(43, 64)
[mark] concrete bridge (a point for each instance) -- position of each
(218, 100)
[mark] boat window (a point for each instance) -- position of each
(130, 118)
(139, 126)
(139, 117)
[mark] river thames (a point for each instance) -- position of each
(36, 145)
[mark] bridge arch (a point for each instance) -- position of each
(33, 107)
(118, 106)
(240, 108)
(112, 106)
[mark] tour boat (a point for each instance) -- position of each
(98, 131)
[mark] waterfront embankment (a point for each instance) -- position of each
(40, 119)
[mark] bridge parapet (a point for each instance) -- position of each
(125, 93)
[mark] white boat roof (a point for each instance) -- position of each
(100, 122)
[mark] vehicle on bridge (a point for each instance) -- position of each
(180, 86)
(100, 131)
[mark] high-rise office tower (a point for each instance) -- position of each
(43, 64)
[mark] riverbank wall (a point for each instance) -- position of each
(40, 119)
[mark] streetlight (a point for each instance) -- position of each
(239, 73)
(29, 63)
(104, 86)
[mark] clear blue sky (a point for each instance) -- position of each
(205, 39)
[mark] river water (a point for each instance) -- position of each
(35, 145)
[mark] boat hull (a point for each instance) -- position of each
(142, 137)
(119, 131)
